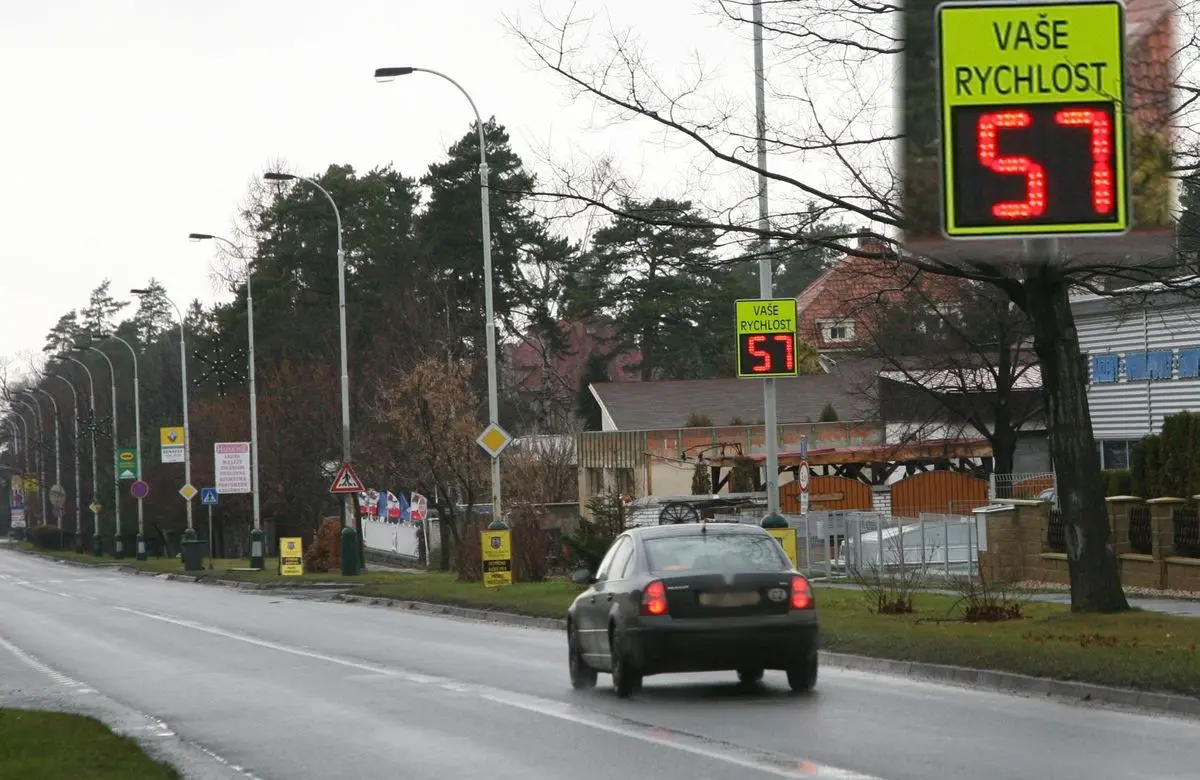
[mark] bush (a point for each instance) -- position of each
(325, 554)
(1119, 482)
(1168, 463)
(701, 481)
(49, 537)
(741, 476)
(531, 545)
(587, 544)
(466, 557)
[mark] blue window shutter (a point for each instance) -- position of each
(1136, 366)
(1104, 369)
(1189, 363)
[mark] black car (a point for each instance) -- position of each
(696, 597)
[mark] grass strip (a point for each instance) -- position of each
(1138, 649)
(60, 746)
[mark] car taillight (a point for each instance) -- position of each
(654, 599)
(801, 594)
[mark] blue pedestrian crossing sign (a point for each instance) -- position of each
(208, 496)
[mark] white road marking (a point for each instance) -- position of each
(768, 764)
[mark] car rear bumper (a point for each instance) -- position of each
(664, 646)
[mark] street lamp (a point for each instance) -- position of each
(75, 415)
(118, 543)
(97, 540)
(57, 454)
(140, 552)
(40, 438)
(350, 563)
(256, 537)
(190, 534)
(389, 74)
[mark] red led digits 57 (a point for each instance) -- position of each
(987, 134)
(766, 360)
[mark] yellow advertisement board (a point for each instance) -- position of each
(172, 436)
(291, 556)
(787, 540)
(496, 547)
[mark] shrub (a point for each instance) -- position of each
(985, 601)
(701, 481)
(587, 544)
(741, 476)
(49, 537)
(1168, 464)
(325, 553)
(530, 544)
(466, 556)
(1119, 482)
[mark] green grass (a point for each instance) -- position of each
(58, 746)
(540, 599)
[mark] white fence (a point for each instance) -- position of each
(396, 538)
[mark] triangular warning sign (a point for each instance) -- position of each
(346, 481)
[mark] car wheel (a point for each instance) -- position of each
(627, 680)
(803, 676)
(582, 675)
(749, 676)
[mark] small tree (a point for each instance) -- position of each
(828, 414)
(587, 544)
(741, 476)
(701, 481)
(698, 420)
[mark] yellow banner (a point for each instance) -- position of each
(172, 436)
(291, 556)
(787, 540)
(496, 547)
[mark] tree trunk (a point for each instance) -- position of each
(1091, 557)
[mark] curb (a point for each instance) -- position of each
(984, 679)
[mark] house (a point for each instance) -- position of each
(835, 312)
(1143, 353)
(548, 380)
(668, 404)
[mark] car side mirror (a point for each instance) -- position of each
(582, 577)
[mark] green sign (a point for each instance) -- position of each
(127, 465)
(1033, 118)
(766, 333)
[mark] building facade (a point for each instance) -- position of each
(1143, 355)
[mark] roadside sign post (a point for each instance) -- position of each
(496, 547)
(291, 556)
(346, 483)
(766, 349)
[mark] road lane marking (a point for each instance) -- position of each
(755, 760)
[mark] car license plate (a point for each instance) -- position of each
(744, 599)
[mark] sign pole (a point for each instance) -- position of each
(211, 540)
(765, 271)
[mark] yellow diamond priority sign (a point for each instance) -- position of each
(494, 439)
(188, 492)
(95, 507)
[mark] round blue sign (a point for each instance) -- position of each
(139, 489)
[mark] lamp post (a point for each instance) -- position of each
(190, 534)
(57, 457)
(256, 536)
(40, 438)
(75, 415)
(140, 552)
(389, 74)
(118, 543)
(97, 540)
(350, 537)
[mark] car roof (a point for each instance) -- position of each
(693, 529)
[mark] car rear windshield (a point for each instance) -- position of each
(709, 552)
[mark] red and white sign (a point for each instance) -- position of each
(231, 464)
(346, 481)
(418, 507)
(802, 476)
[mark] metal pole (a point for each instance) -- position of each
(39, 465)
(57, 455)
(489, 315)
(765, 282)
(137, 428)
(97, 542)
(118, 544)
(75, 415)
(256, 537)
(350, 563)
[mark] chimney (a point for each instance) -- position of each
(871, 243)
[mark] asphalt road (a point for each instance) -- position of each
(234, 684)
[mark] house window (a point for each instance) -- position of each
(1104, 368)
(1114, 454)
(833, 331)
(1140, 366)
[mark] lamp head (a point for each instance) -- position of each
(276, 176)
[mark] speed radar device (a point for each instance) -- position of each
(766, 334)
(1033, 134)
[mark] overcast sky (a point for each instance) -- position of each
(130, 123)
